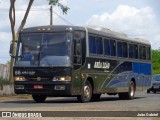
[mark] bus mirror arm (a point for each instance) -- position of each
(12, 56)
(20, 56)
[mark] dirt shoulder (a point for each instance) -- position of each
(14, 97)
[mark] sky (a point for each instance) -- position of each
(136, 18)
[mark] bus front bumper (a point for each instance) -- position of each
(56, 88)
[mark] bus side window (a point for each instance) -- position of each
(144, 53)
(77, 51)
(119, 49)
(131, 51)
(135, 55)
(99, 47)
(77, 47)
(148, 54)
(125, 50)
(140, 52)
(113, 47)
(106, 47)
(92, 45)
(122, 49)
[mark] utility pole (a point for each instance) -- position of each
(51, 15)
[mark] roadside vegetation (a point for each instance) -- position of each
(4, 81)
(156, 61)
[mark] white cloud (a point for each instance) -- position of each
(127, 19)
(156, 41)
(130, 20)
(64, 2)
(35, 18)
(5, 39)
(136, 22)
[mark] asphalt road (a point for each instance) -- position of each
(142, 102)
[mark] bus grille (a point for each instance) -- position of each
(40, 79)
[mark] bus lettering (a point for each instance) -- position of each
(104, 65)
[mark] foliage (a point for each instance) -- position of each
(8, 62)
(56, 2)
(4, 81)
(156, 61)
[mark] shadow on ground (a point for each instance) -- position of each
(64, 100)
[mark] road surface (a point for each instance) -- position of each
(142, 102)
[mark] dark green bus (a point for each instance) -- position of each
(80, 62)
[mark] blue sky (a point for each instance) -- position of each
(136, 18)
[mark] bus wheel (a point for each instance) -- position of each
(39, 98)
(86, 93)
(148, 91)
(95, 97)
(154, 91)
(130, 94)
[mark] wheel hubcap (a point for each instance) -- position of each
(131, 90)
(86, 92)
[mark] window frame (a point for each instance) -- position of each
(95, 47)
(106, 39)
(123, 43)
(127, 43)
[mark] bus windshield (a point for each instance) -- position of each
(44, 49)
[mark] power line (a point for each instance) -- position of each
(6, 10)
(38, 10)
(62, 18)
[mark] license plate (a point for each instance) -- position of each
(38, 86)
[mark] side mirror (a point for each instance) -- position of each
(77, 35)
(12, 49)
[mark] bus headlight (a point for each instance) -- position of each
(19, 78)
(61, 78)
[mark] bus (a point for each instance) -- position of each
(82, 62)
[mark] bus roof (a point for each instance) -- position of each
(115, 34)
(52, 28)
(91, 29)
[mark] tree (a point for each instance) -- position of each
(12, 17)
(8, 62)
(57, 3)
(156, 61)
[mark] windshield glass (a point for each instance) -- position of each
(156, 77)
(44, 49)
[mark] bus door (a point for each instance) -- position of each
(77, 62)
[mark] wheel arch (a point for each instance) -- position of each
(90, 79)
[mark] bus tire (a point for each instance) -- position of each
(95, 97)
(130, 94)
(154, 91)
(39, 98)
(148, 91)
(86, 93)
